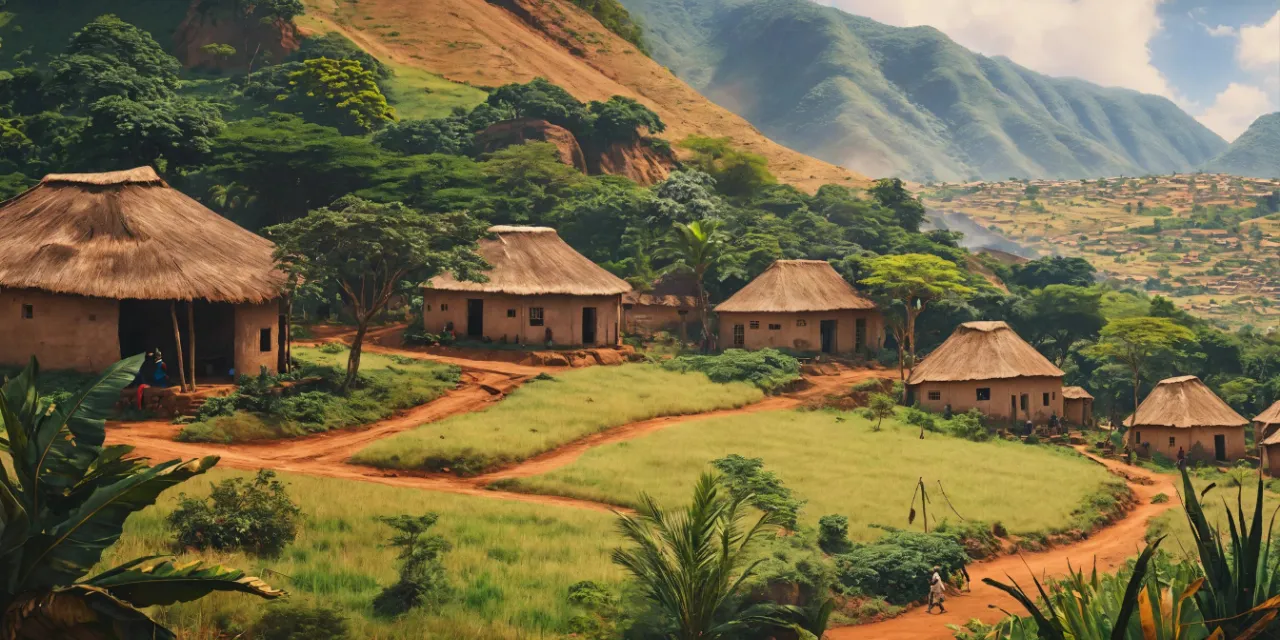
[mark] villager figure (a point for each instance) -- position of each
(937, 592)
(1182, 458)
(946, 412)
(160, 374)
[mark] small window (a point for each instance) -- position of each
(511, 313)
(755, 324)
(935, 395)
(444, 307)
(984, 393)
(739, 336)
(1055, 396)
(775, 327)
(1022, 402)
(426, 307)
(1046, 399)
(1172, 441)
(28, 312)
(264, 340)
(802, 323)
(535, 316)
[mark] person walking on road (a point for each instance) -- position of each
(937, 593)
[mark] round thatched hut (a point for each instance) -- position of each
(1266, 429)
(99, 266)
(987, 366)
(1183, 413)
(1077, 406)
(539, 290)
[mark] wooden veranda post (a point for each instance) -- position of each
(191, 340)
(177, 340)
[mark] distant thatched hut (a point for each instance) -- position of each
(1077, 406)
(539, 290)
(671, 305)
(802, 305)
(98, 266)
(1183, 413)
(1266, 429)
(988, 367)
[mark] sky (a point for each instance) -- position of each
(1217, 59)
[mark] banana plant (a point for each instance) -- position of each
(64, 499)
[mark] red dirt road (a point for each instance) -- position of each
(1110, 547)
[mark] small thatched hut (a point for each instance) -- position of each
(94, 267)
(1183, 413)
(1266, 429)
(671, 305)
(1077, 406)
(988, 367)
(539, 291)
(803, 305)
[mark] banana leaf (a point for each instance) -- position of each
(147, 582)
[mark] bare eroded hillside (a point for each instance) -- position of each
(485, 44)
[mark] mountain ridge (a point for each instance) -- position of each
(1256, 153)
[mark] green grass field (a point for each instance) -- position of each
(397, 384)
(418, 94)
(510, 567)
(1174, 522)
(844, 468)
(544, 414)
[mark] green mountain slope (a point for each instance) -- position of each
(886, 100)
(1256, 153)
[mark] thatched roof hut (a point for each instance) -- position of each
(1269, 417)
(987, 350)
(129, 235)
(794, 286)
(1184, 402)
(678, 290)
(1076, 393)
(534, 261)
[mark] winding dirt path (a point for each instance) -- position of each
(1109, 547)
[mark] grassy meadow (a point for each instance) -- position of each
(394, 383)
(837, 463)
(417, 94)
(1173, 523)
(548, 412)
(510, 566)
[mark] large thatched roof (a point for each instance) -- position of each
(1184, 402)
(671, 290)
(1271, 415)
(1076, 393)
(127, 234)
(535, 261)
(983, 351)
(792, 286)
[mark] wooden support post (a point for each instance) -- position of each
(191, 339)
(177, 340)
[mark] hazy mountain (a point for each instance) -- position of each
(1255, 153)
(886, 100)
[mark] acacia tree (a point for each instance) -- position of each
(915, 280)
(367, 250)
(697, 247)
(1134, 341)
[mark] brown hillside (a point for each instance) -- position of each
(487, 45)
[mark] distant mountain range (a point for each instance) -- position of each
(885, 100)
(1256, 153)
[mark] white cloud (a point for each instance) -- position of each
(1103, 41)
(1220, 31)
(1235, 109)
(1259, 47)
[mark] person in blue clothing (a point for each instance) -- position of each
(160, 372)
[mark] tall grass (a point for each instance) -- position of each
(510, 567)
(1173, 523)
(840, 466)
(547, 413)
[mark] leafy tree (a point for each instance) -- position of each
(686, 196)
(1240, 393)
(691, 564)
(620, 118)
(335, 46)
(177, 132)
(697, 248)
(368, 251)
(1134, 341)
(528, 181)
(915, 280)
(1043, 272)
(422, 573)
(746, 478)
(1056, 317)
(219, 50)
(271, 10)
(454, 135)
(880, 406)
(907, 209)
(110, 57)
(65, 500)
(343, 91)
(737, 173)
(542, 99)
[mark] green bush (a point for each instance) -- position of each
(768, 369)
(301, 622)
(257, 517)
(920, 418)
(332, 348)
(897, 567)
(598, 613)
(968, 426)
(747, 477)
(1159, 498)
(871, 385)
(833, 534)
(422, 575)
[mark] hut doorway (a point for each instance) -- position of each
(146, 325)
(588, 325)
(828, 330)
(1220, 447)
(475, 318)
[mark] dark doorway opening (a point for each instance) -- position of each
(827, 328)
(475, 318)
(588, 325)
(1220, 447)
(860, 334)
(146, 325)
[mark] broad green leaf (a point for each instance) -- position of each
(159, 581)
(81, 612)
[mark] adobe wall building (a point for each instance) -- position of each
(1077, 406)
(1266, 430)
(539, 291)
(101, 266)
(1183, 413)
(672, 306)
(802, 305)
(988, 367)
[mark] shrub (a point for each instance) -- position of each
(897, 567)
(257, 517)
(968, 426)
(768, 369)
(1159, 498)
(880, 406)
(599, 612)
(422, 576)
(920, 418)
(301, 622)
(833, 534)
(746, 476)
(872, 385)
(333, 348)
(1031, 439)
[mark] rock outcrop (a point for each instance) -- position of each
(640, 161)
(521, 130)
(254, 41)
